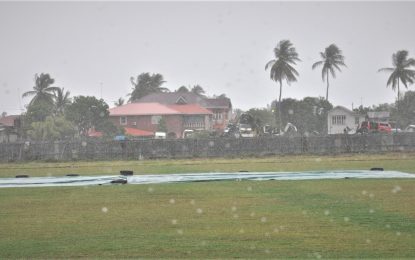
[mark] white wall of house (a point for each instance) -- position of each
(340, 118)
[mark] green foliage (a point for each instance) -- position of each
(42, 92)
(109, 129)
(282, 68)
(162, 126)
(400, 72)
(146, 84)
(119, 102)
(308, 115)
(198, 90)
(53, 128)
(87, 112)
(332, 59)
(261, 117)
(62, 100)
(182, 89)
(405, 110)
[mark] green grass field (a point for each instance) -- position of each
(239, 219)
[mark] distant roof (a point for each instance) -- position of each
(171, 98)
(346, 110)
(191, 109)
(138, 109)
(222, 102)
(8, 120)
(134, 109)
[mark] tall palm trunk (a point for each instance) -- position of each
(279, 108)
(327, 90)
(397, 109)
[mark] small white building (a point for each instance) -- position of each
(341, 118)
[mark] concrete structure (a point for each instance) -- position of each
(221, 107)
(340, 119)
(147, 117)
(9, 128)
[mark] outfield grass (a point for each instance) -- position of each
(244, 219)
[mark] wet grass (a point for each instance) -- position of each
(244, 219)
(233, 219)
(393, 161)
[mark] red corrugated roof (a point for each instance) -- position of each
(191, 109)
(137, 132)
(8, 120)
(138, 109)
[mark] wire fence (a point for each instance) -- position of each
(95, 149)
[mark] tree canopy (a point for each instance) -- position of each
(146, 84)
(331, 60)
(87, 112)
(43, 91)
(282, 67)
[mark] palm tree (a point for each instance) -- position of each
(42, 91)
(62, 100)
(182, 89)
(400, 72)
(146, 84)
(119, 102)
(332, 59)
(198, 90)
(282, 67)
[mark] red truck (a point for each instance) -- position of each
(374, 127)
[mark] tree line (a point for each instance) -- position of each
(282, 68)
(53, 114)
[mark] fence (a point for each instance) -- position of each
(93, 149)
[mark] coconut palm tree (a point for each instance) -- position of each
(119, 102)
(42, 91)
(146, 84)
(332, 59)
(281, 68)
(198, 90)
(400, 72)
(62, 100)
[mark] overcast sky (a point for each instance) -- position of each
(94, 48)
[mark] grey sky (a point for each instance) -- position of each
(223, 46)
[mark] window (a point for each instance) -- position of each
(123, 120)
(218, 116)
(356, 120)
(338, 120)
(155, 120)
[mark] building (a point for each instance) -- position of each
(378, 116)
(155, 117)
(9, 126)
(341, 120)
(220, 107)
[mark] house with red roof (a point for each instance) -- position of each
(9, 126)
(220, 107)
(144, 119)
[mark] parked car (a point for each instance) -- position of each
(374, 127)
(410, 129)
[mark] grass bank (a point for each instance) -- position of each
(393, 161)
